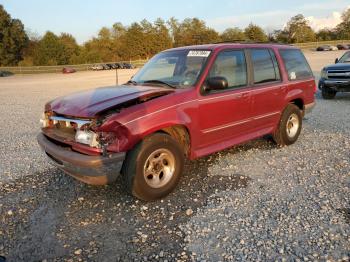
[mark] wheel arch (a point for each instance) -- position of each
(181, 134)
(299, 102)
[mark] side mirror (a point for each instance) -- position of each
(216, 83)
(336, 60)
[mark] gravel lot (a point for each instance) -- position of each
(252, 202)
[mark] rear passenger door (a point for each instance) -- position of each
(268, 92)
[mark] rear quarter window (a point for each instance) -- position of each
(295, 63)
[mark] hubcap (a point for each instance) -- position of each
(292, 125)
(159, 168)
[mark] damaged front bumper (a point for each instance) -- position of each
(94, 170)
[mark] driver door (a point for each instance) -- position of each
(225, 115)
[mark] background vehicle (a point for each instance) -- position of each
(113, 66)
(343, 47)
(335, 78)
(324, 48)
(5, 73)
(97, 67)
(334, 48)
(128, 66)
(68, 70)
(184, 103)
(106, 67)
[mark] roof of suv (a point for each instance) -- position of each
(234, 45)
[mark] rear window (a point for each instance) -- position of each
(296, 64)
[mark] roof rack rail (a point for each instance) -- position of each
(250, 42)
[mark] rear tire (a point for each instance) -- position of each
(153, 167)
(289, 127)
(328, 93)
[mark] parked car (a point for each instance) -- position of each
(186, 102)
(5, 73)
(106, 66)
(97, 67)
(343, 47)
(112, 66)
(68, 70)
(119, 65)
(334, 48)
(335, 78)
(128, 66)
(324, 48)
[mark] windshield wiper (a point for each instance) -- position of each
(155, 81)
(132, 82)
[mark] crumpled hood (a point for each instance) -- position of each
(87, 104)
(339, 66)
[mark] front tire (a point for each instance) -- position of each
(328, 93)
(289, 127)
(153, 167)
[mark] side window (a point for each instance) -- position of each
(232, 66)
(265, 66)
(296, 64)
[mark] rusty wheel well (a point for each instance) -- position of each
(181, 135)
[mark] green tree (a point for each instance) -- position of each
(343, 29)
(133, 47)
(298, 30)
(30, 50)
(161, 38)
(51, 51)
(143, 40)
(233, 34)
(71, 48)
(13, 39)
(255, 33)
(193, 31)
(326, 35)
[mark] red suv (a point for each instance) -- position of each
(184, 103)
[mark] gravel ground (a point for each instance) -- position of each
(251, 202)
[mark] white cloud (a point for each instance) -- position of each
(329, 22)
(277, 19)
(261, 18)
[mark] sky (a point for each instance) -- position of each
(84, 18)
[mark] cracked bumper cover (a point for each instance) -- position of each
(94, 170)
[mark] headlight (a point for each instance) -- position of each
(44, 120)
(324, 73)
(87, 138)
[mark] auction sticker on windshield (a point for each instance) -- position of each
(198, 53)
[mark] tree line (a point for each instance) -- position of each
(142, 40)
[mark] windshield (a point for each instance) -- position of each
(345, 58)
(178, 69)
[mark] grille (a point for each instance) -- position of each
(64, 129)
(339, 74)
